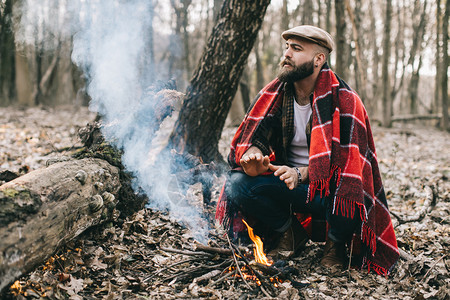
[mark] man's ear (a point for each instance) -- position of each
(319, 59)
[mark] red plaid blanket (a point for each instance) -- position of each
(342, 149)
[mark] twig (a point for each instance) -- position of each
(184, 273)
(434, 264)
(405, 255)
(172, 265)
(257, 274)
(350, 259)
(207, 276)
(222, 278)
(202, 268)
(237, 264)
(205, 248)
(184, 252)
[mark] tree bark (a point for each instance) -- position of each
(416, 52)
(46, 208)
(375, 60)
(445, 61)
(307, 12)
(360, 71)
(387, 101)
(213, 86)
(285, 16)
(7, 58)
(341, 39)
(437, 88)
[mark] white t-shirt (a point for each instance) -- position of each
(297, 152)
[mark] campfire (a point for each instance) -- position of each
(260, 256)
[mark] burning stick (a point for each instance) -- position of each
(236, 262)
(257, 274)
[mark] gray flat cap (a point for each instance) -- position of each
(311, 33)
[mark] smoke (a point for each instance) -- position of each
(110, 39)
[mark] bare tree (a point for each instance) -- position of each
(416, 54)
(387, 101)
(7, 50)
(438, 59)
(213, 86)
(445, 61)
(179, 41)
(360, 71)
(341, 41)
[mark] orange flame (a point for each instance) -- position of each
(260, 256)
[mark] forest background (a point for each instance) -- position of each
(390, 52)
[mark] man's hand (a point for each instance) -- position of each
(254, 162)
(289, 175)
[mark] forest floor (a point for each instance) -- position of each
(150, 256)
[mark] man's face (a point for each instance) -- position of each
(298, 62)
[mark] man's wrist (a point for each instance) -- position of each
(299, 175)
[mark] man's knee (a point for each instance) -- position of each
(236, 186)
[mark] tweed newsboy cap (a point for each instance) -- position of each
(311, 33)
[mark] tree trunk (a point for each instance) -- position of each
(416, 50)
(307, 12)
(375, 60)
(7, 59)
(260, 78)
(444, 82)
(341, 40)
(328, 24)
(285, 16)
(438, 60)
(387, 101)
(360, 71)
(400, 52)
(213, 86)
(46, 208)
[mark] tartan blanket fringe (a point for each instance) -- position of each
(344, 207)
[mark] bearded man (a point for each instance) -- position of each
(305, 146)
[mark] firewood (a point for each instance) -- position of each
(205, 248)
(185, 252)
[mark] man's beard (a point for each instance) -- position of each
(297, 73)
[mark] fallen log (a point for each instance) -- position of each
(46, 208)
(403, 118)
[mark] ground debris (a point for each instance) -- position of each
(148, 255)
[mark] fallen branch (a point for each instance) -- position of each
(428, 204)
(400, 118)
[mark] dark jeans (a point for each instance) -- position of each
(268, 200)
